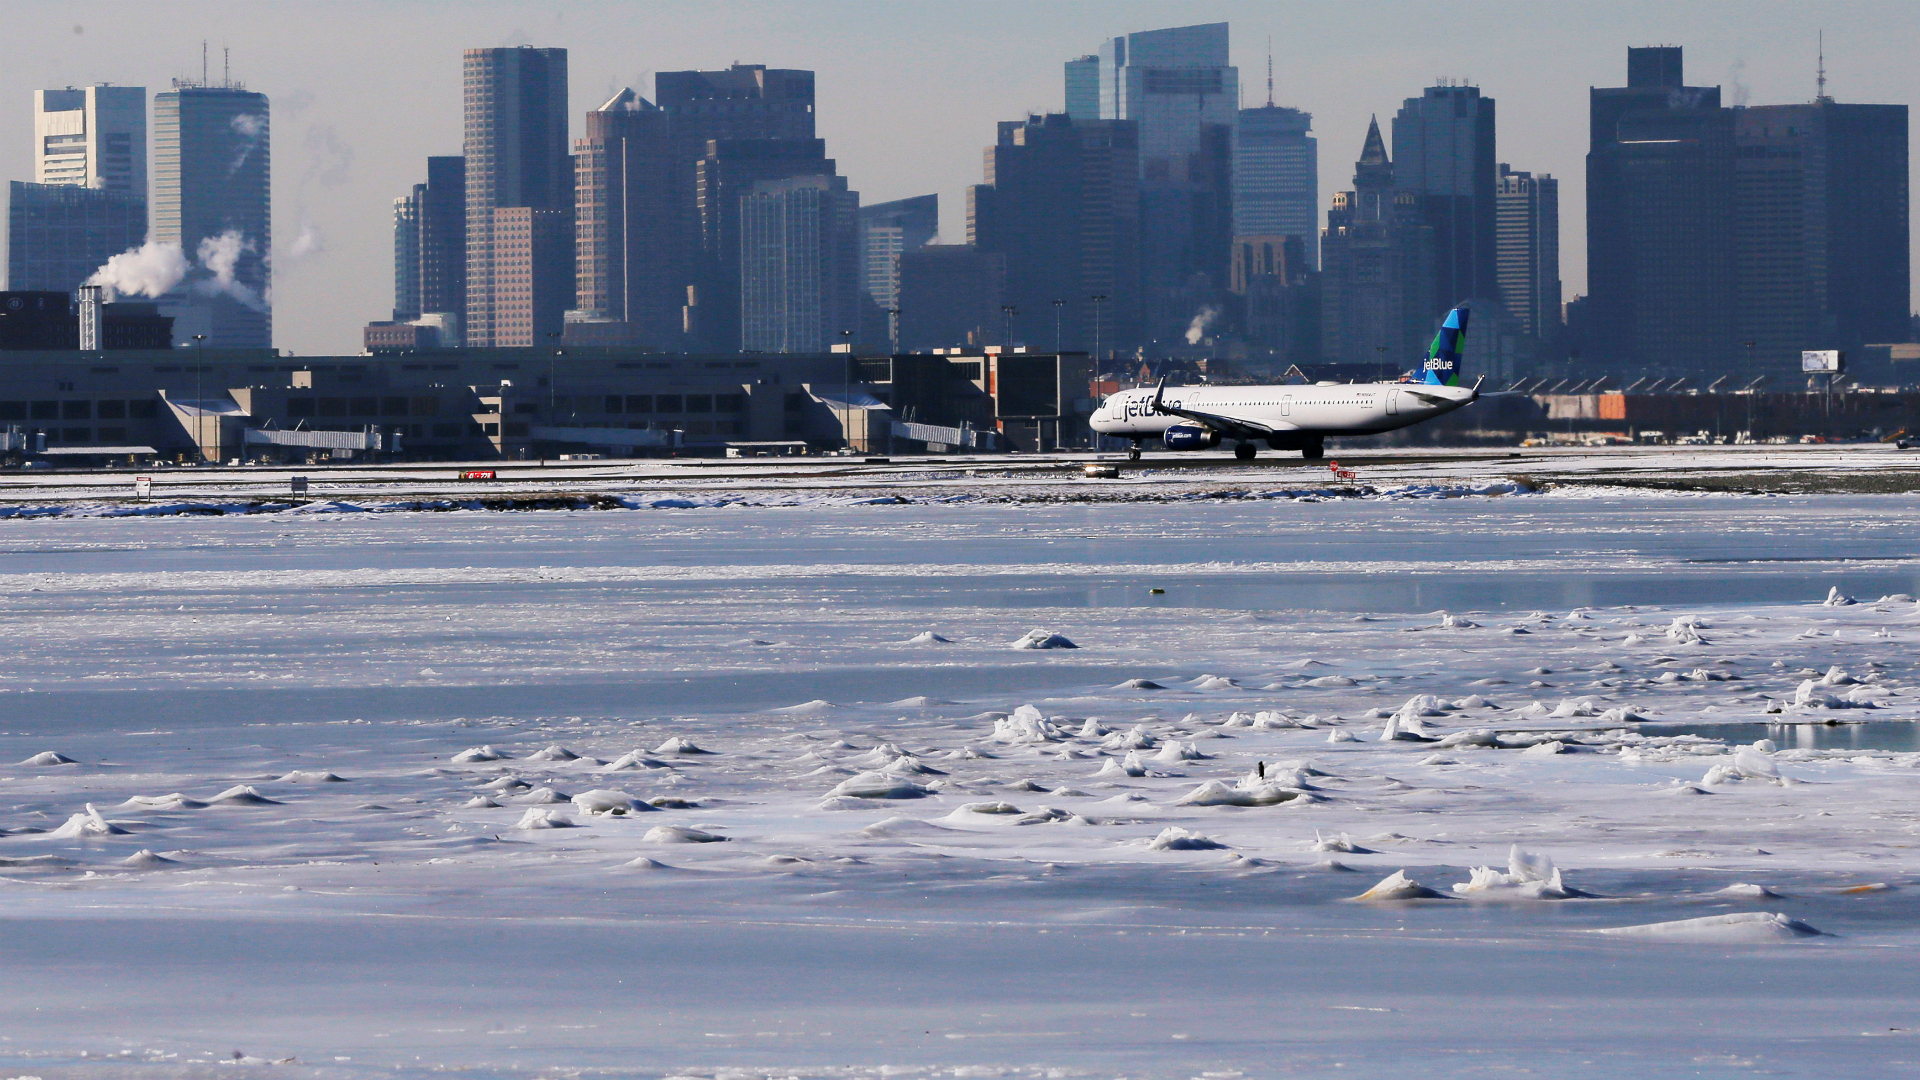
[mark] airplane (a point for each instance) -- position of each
(1290, 417)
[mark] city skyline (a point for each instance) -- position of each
(344, 151)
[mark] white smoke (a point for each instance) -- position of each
(309, 242)
(220, 255)
(252, 128)
(1197, 329)
(152, 269)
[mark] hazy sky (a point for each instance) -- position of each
(908, 92)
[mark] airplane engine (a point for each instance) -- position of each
(1191, 436)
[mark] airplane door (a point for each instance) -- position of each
(1393, 402)
(1286, 404)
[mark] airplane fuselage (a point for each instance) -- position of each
(1298, 416)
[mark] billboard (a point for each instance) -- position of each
(1822, 361)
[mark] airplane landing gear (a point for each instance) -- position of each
(1314, 452)
(1244, 451)
(1133, 452)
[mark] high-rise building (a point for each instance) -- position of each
(1279, 297)
(1377, 276)
(1083, 87)
(1821, 231)
(212, 199)
(1660, 221)
(886, 231)
(441, 206)
(1527, 248)
(92, 137)
(406, 258)
(713, 115)
(90, 199)
(950, 295)
(516, 159)
(630, 249)
(1061, 203)
(1276, 178)
(1178, 88)
(1443, 153)
(799, 264)
(59, 234)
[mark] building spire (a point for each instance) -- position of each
(1820, 80)
(1269, 71)
(1374, 151)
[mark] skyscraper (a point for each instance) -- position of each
(1443, 153)
(212, 198)
(632, 258)
(1061, 203)
(441, 206)
(1377, 271)
(799, 264)
(406, 257)
(886, 231)
(717, 118)
(90, 199)
(1527, 245)
(1660, 221)
(1083, 87)
(1276, 178)
(1178, 87)
(1821, 231)
(94, 137)
(516, 159)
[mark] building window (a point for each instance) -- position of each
(111, 410)
(699, 403)
(46, 410)
(76, 434)
(393, 406)
(424, 406)
(333, 406)
(143, 409)
(13, 410)
(666, 403)
(490, 429)
(113, 435)
(612, 403)
(366, 406)
(526, 408)
(300, 406)
(729, 402)
(639, 403)
(76, 410)
(446, 431)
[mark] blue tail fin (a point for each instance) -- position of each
(1443, 359)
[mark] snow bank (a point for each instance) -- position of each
(928, 637)
(175, 801)
(86, 826)
(553, 753)
(605, 801)
(1026, 726)
(541, 818)
(48, 757)
(243, 795)
(477, 753)
(1528, 877)
(1398, 886)
(878, 785)
(300, 776)
(678, 745)
(680, 834)
(1740, 928)
(1175, 838)
(1042, 639)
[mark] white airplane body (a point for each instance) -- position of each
(1287, 417)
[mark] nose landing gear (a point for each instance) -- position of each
(1314, 452)
(1133, 452)
(1244, 451)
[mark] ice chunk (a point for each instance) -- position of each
(1093, 729)
(544, 796)
(607, 801)
(48, 757)
(878, 785)
(681, 834)
(1544, 749)
(1404, 728)
(1685, 630)
(540, 818)
(1214, 682)
(678, 745)
(1455, 622)
(1139, 738)
(1398, 886)
(928, 637)
(805, 708)
(989, 808)
(1026, 725)
(243, 795)
(1754, 927)
(1743, 891)
(553, 753)
(1139, 684)
(147, 860)
(634, 760)
(477, 753)
(1340, 842)
(480, 802)
(301, 776)
(1757, 764)
(1836, 598)
(1130, 766)
(1474, 737)
(1339, 735)
(1042, 639)
(175, 801)
(1176, 752)
(1528, 876)
(1330, 681)
(1175, 838)
(86, 826)
(1837, 676)
(1257, 793)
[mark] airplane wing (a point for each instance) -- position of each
(1229, 426)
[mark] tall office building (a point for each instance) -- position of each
(1178, 88)
(1276, 178)
(1660, 221)
(1821, 231)
(212, 198)
(715, 118)
(516, 160)
(950, 295)
(92, 137)
(887, 230)
(629, 244)
(1527, 250)
(406, 258)
(1083, 87)
(1443, 154)
(441, 207)
(89, 201)
(1061, 203)
(1377, 269)
(799, 264)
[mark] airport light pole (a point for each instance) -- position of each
(846, 389)
(1057, 306)
(1099, 303)
(1006, 325)
(893, 328)
(199, 401)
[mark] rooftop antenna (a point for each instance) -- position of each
(1820, 80)
(226, 66)
(203, 61)
(1269, 71)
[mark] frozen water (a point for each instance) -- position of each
(378, 697)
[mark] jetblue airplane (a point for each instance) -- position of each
(1290, 417)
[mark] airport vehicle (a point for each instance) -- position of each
(1290, 417)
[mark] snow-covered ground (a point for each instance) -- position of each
(770, 792)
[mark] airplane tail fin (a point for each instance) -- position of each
(1443, 358)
